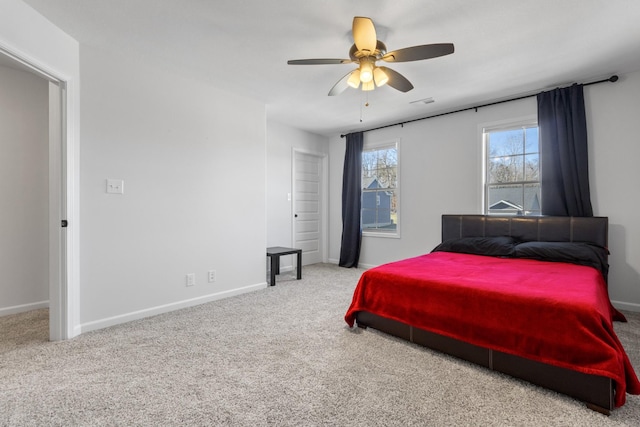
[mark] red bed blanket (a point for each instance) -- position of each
(552, 312)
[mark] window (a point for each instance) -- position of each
(379, 215)
(512, 180)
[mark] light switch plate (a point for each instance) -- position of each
(115, 186)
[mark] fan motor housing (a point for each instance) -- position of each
(355, 54)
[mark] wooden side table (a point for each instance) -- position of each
(275, 253)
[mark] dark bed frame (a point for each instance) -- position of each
(596, 391)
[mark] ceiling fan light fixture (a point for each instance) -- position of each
(354, 79)
(368, 86)
(380, 77)
(366, 71)
(366, 51)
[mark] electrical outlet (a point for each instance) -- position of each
(212, 276)
(191, 279)
(115, 186)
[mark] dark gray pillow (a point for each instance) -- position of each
(502, 246)
(571, 252)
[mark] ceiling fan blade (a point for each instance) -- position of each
(416, 53)
(326, 61)
(397, 80)
(364, 35)
(341, 86)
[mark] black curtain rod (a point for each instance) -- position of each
(611, 79)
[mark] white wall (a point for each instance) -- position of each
(24, 191)
(440, 172)
(193, 163)
(281, 141)
(441, 162)
(613, 111)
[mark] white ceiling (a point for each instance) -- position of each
(503, 48)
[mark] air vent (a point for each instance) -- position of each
(423, 101)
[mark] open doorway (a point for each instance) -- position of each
(32, 193)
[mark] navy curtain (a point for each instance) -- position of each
(351, 201)
(564, 162)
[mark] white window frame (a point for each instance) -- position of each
(526, 121)
(395, 234)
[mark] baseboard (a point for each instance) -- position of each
(141, 314)
(363, 266)
(628, 306)
(367, 266)
(22, 308)
(285, 268)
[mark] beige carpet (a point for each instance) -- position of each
(282, 356)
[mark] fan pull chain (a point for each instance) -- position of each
(365, 103)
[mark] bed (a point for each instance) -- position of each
(525, 296)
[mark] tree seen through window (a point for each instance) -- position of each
(513, 171)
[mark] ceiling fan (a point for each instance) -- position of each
(366, 50)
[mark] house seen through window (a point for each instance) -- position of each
(380, 189)
(512, 181)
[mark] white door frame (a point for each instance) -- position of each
(324, 199)
(62, 241)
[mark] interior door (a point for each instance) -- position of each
(307, 206)
(58, 305)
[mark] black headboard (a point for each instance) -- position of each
(528, 228)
